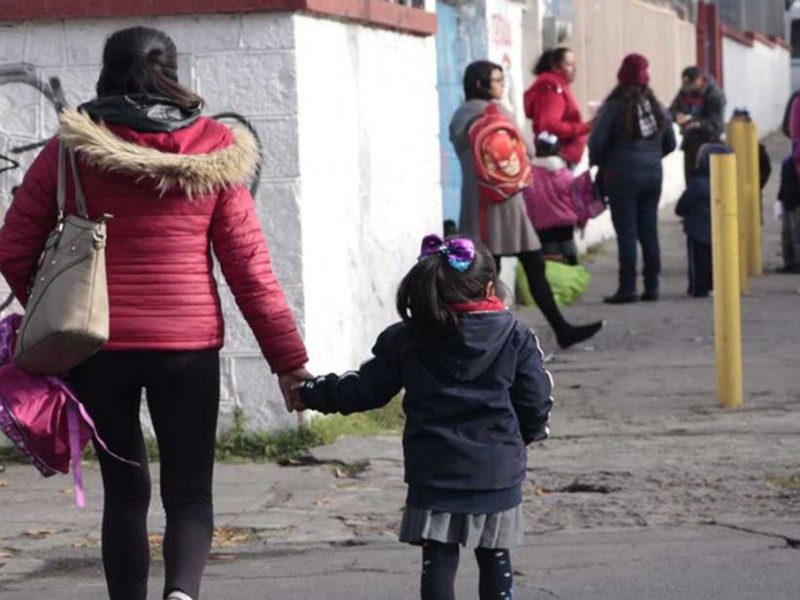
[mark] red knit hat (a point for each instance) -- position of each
(633, 70)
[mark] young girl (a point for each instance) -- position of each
(550, 201)
(475, 395)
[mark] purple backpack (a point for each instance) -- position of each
(589, 202)
(42, 416)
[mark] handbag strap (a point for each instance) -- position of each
(80, 199)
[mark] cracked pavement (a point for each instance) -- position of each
(647, 490)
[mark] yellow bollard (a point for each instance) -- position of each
(736, 137)
(753, 203)
(725, 248)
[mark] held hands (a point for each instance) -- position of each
(290, 388)
(682, 119)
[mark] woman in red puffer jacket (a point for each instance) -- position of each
(549, 103)
(174, 182)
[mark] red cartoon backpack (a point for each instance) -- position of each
(500, 159)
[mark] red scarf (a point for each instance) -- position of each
(490, 304)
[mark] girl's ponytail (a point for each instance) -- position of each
(452, 271)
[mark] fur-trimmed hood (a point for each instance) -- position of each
(198, 159)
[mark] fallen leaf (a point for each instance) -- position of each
(5, 555)
(86, 544)
(3, 484)
(156, 540)
(541, 492)
(323, 501)
(38, 534)
(221, 557)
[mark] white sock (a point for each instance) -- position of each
(176, 595)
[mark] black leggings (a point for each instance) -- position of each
(534, 265)
(440, 563)
(183, 398)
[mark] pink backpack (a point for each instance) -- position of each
(42, 416)
(589, 202)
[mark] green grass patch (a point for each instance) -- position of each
(238, 444)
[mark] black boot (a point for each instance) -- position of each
(621, 298)
(569, 335)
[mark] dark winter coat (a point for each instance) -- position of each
(471, 405)
(617, 155)
(695, 206)
(707, 109)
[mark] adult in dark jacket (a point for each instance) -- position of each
(632, 134)
(509, 232)
(174, 182)
(698, 109)
(694, 207)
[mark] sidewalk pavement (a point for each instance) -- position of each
(647, 490)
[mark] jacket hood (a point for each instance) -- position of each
(462, 119)
(551, 163)
(199, 158)
(141, 112)
(485, 334)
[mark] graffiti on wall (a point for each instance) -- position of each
(26, 74)
(51, 90)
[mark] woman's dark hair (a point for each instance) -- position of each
(427, 292)
(142, 60)
(478, 79)
(631, 96)
(550, 59)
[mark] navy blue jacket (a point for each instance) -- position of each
(471, 404)
(616, 155)
(695, 207)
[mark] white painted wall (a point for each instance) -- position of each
(351, 175)
(369, 170)
(757, 78)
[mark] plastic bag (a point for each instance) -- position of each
(568, 282)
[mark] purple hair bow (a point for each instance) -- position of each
(460, 252)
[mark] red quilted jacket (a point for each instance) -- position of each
(549, 103)
(173, 196)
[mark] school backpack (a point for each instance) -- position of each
(42, 417)
(589, 202)
(500, 160)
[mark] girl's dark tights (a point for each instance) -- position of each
(534, 265)
(440, 563)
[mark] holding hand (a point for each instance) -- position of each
(290, 388)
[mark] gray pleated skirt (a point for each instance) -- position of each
(496, 530)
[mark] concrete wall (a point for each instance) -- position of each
(351, 174)
(604, 32)
(757, 77)
(369, 168)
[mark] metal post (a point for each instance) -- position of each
(725, 247)
(736, 137)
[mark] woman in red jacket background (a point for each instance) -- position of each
(174, 183)
(549, 103)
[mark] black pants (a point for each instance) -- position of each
(440, 564)
(559, 242)
(700, 267)
(183, 399)
(634, 212)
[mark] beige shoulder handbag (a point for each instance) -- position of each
(66, 319)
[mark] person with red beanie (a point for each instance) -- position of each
(631, 136)
(549, 103)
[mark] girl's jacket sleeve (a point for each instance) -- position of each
(373, 385)
(530, 393)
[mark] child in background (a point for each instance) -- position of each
(550, 201)
(476, 394)
(695, 208)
